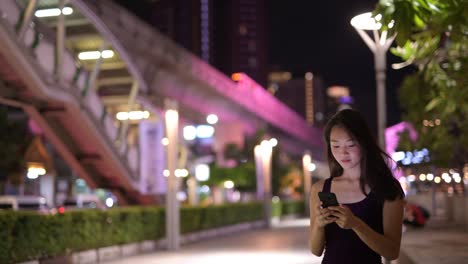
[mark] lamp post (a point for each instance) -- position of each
(263, 154)
(172, 204)
(379, 46)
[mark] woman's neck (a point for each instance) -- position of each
(352, 174)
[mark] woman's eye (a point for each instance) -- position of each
(350, 146)
(335, 146)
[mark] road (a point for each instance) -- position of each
(284, 243)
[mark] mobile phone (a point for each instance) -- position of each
(328, 199)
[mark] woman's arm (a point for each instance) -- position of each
(319, 218)
(388, 244)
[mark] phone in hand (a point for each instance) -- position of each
(328, 199)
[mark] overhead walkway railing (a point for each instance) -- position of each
(62, 76)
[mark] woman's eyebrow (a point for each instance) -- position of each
(335, 140)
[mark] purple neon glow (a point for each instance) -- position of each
(197, 101)
(346, 100)
(256, 99)
(392, 138)
(34, 127)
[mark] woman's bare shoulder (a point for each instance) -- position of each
(317, 186)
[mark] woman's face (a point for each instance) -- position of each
(344, 148)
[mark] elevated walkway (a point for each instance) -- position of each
(74, 101)
(75, 122)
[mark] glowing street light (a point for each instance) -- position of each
(35, 170)
(212, 119)
(379, 47)
(51, 12)
(94, 55)
(202, 172)
(190, 132)
(132, 115)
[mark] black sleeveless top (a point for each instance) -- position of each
(343, 245)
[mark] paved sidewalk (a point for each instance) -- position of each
(285, 243)
(439, 242)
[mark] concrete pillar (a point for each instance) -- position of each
(466, 212)
(46, 188)
(263, 155)
(192, 186)
(172, 204)
(306, 161)
(259, 172)
(152, 158)
(459, 209)
(449, 214)
(217, 193)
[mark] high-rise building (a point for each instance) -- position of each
(306, 95)
(309, 97)
(241, 38)
(231, 35)
(338, 98)
(180, 20)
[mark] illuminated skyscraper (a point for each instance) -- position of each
(231, 35)
(309, 97)
(305, 95)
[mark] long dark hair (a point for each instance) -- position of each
(375, 171)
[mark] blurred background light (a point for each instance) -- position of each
(212, 119)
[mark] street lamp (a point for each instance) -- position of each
(379, 46)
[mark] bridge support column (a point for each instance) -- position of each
(263, 153)
(172, 204)
(306, 161)
(152, 159)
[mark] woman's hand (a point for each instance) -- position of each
(344, 217)
(323, 216)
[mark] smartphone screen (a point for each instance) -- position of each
(328, 199)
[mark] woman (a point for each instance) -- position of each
(368, 222)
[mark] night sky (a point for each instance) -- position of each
(317, 36)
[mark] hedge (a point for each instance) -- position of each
(288, 207)
(27, 236)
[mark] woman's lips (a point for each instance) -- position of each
(346, 161)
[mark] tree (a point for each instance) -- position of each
(432, 36)
(244, 174)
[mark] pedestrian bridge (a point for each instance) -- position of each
(74, 70)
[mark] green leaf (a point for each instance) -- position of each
(432, 104)
(419, 22)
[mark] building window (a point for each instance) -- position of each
(252, 62)
(252, 46)
(205, 32)
(243, 30)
